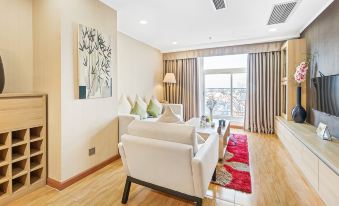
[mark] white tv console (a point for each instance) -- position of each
(317, 159)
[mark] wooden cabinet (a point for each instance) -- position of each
(22, 144)
(293, 52)
(328, 185)
(310, 154)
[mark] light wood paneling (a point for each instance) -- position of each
(47, 73)
(275, 181)
(18, 113)
(328, 185)
(16, 44)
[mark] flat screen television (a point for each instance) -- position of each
(327, 94)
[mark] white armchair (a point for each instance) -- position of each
(166, 157)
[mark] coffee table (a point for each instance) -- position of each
(206, 131)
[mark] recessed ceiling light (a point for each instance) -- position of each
(174, 42)
(273, 30)
(143, 22)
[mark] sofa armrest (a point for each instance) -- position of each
(124, 121)
(204, 163)
(123, 158)
(177, 109)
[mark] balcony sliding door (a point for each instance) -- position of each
(224, 80)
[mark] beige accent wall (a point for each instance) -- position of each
(47, 75)
(139, 68)
(85, 123)
(16, 44)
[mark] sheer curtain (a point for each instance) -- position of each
(263, 91)
(186, 90)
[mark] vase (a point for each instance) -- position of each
(2, 76)
(211, 115)
(298, 112)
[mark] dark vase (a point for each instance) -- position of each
(2, 76)
(298, 112)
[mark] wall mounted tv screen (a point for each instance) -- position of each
(327, 94)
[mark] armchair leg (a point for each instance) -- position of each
(214, 177)
(199, 202)
(126, 191)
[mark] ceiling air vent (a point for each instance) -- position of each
(219, 4)
(281, 12)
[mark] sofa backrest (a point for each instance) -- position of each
(179, 133)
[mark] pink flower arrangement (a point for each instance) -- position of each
(301, 71)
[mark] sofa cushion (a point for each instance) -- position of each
(141, 102)
(139, 109)
(169, 117)
(179, 133)
(155, 100)
(124, 106)
(153, 109)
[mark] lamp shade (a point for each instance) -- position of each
(169, 78)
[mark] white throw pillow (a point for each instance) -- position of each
(169, 117)
(155, 100)
(141, 102)
(147, 100)
(124, 106)
(131, 101)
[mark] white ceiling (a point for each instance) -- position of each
(190, 23)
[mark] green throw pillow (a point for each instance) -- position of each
(139, 110)
(153, 109)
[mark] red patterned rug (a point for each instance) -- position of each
(234, 172)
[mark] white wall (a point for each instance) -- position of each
(139, 68)
(16, 44)
(85, 123)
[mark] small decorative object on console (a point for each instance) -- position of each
(299, 113)
(322, 132)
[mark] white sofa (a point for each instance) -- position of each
(167, 157)
(126, 119)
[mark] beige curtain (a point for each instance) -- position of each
(263, 91)
(186, 90)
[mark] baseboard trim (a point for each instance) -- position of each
(62, 185)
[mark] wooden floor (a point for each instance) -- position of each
(275, 181)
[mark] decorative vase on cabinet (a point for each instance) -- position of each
(299, 113)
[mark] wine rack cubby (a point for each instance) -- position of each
(22, 145)
(35, 175)
(4, 140)
(19, 137)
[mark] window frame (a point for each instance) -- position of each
(230, 71)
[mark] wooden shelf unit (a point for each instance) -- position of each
(22, 144)
(293, 52)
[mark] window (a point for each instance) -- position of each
(224, 80)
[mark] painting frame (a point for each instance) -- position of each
(94, 63)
